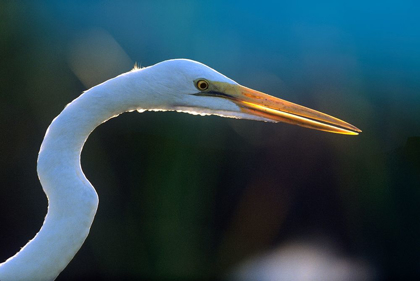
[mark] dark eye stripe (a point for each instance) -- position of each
(214, 94)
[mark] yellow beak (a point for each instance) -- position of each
(275, 109)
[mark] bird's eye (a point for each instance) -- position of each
(202, 85)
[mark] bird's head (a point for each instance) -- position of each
(195, 88)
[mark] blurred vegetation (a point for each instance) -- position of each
(190, 197)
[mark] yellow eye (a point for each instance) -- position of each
(202, 85)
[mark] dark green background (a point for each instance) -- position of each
(191, 197)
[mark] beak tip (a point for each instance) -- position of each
(357, 132)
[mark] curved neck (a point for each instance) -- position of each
(72, 200)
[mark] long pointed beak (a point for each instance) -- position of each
(278, 110)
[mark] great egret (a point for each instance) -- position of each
(181, 85)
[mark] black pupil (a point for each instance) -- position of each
(202, 85)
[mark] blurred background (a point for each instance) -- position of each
(187, 197)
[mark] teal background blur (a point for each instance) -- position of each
(185, 197)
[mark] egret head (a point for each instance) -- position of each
(198, 89)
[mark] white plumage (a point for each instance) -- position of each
(181, 85)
